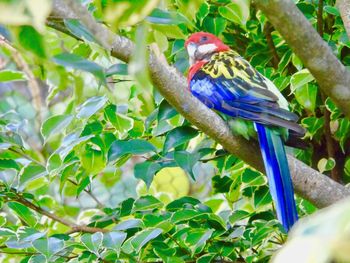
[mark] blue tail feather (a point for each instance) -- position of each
(277, 171)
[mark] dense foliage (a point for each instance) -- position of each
(95, 166)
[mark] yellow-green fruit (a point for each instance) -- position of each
(170, 180)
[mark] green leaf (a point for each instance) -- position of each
(138, 65)
(306, 95)
(159, 16)
(299, 79)
(33, 12)
(143, 237)
(121, 148)
(203, 11)
(77, 62)
(181, 203)
(92, 160)
(253, 178)
(221, 184)
(165, 111)
(23, 212)
(92, 242)
(27, 234)
(129, 13)
(9, 164)
(130, 223)
(237, 12)
(30, 173)
(324, 164)
(91, 106)
(206, 258)
(79, 30)
(347, 167)
(214, 25)
(178, 136)
(122, 123)
(11, 75)
(31, 40)
(313, 125)
(186, 161)
(147, 202)
(331, 107)
(117, 69)
(184, 215)
(343, 132)
(331, 10)
(197, 238)
(146, 171)
(238, 215)
(48, 246)
(55, 125)
(114, 240)
(262, 196)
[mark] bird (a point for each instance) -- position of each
(227, 83)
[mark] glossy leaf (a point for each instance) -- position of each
(90, 107)
(179, 136)
(78, 29)
(23, 212)
(137, 146)
(55, 125)
(11, 75)
(237, 12)
(92, 242)
(214, 25)
(76, 62)
(48, 246)
(146, 171)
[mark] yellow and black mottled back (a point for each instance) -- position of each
(230, 65)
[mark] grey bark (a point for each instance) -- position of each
(331, 75)
(344, 9)
(310, 184)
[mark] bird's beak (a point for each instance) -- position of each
(192, 50)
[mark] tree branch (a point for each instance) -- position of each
(33, 85)
(309, 183)
(74, 227)
(344, 8)
(332, 77)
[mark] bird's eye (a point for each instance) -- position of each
(203, 39)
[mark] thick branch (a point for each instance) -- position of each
(309, 183)
(344, 8)
(332, 77)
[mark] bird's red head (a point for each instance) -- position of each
(200, 46)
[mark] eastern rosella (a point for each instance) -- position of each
(227, 83)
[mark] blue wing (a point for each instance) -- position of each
(237, 98)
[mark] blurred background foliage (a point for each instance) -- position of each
(95, 166)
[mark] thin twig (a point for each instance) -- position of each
(271, 45)
(335, 174)
(99, 204)
(33, 85)
(74, 227)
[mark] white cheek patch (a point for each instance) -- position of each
(207, 48)
(191, 49)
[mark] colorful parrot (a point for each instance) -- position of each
(224, 81)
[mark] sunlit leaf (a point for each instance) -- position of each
(146, 171)
(54, 125)
(11, 75)
(76, 62)
(91, 106)
(179, 136)
(237, 11)
(137, 146)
